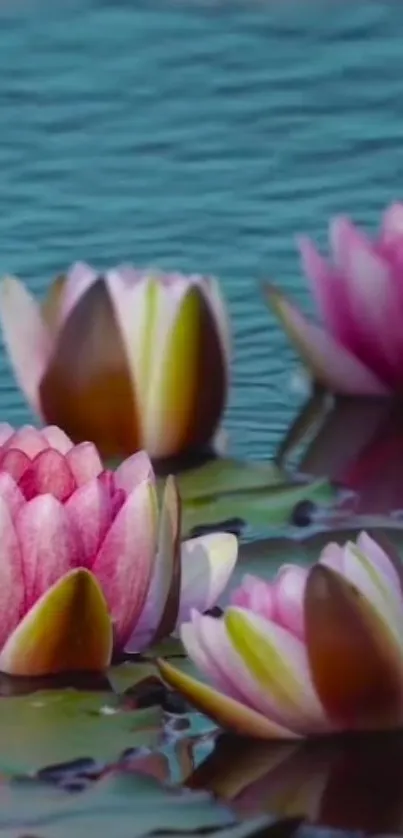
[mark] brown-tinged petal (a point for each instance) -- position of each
(188, 388)
(87, 388)
(356, 663)
(52, 304)
(67, 630)
(227, 712)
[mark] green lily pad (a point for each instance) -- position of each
(50, 727)
(225, 475)
(122, 804)
(263, 508)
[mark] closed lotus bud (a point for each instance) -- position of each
(130, 360)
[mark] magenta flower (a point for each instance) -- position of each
(317, 651)
(359, 350)
(88, 564)
(130, 360)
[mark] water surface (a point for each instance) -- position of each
(200, 137)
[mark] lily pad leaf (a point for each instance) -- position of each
(46, 728)
(227, 476)
(121, 804)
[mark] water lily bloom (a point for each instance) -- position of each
(88, 563)
(359, 350)
(316, 651)
(130, 360)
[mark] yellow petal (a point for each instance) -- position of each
(67, 630)
(227, 712)
(52, 303)
(188, 386)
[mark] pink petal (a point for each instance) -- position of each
(11, 494)
(79, 279)
(278, 665)
(333, 556)
(90, 510)
(57, 438)
(29, 440)
(85, 462)
(379, 559)
(159, 615)
(11, 578)
(49, 473)
(328, 289)
(392, 226)
(15, 463)
(6, 431)
(375, 298)
(48, 543)
(126, 558)
(255, 594)
(26, 337)
(289, 592)
(330, 363)
(133, 471)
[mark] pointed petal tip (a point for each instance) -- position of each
(67, 630)
(227, 712)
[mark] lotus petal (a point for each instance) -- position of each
(207, 564)
(52, 305)
(11, 494)
(356, 663)
(49, 545)
(15, 463)
(68, 629)
(330, 363)
(90, 512)
(85, 462)
(289, 592)
(11, 574)
(329, 292)
(49, 472)
(225, 711)
(26, 337)
(220, 661)
(6, 431)
(88, 375)
(392, 223)
(159, 614)
(125, 562)
(57, 438)
(181, 414)
(376, 298)
(29, 440)
(133, 470)
(79, 280)
(361, 572)
(256, 595)
(278, 662)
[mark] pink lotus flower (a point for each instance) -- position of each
(317, 651)
(131, 360)
(87, 563)
(360, 299)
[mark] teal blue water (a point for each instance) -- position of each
(201, 137)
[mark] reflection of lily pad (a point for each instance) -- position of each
(120, 805)
(45, 728)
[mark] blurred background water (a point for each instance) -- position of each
(198, 136)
